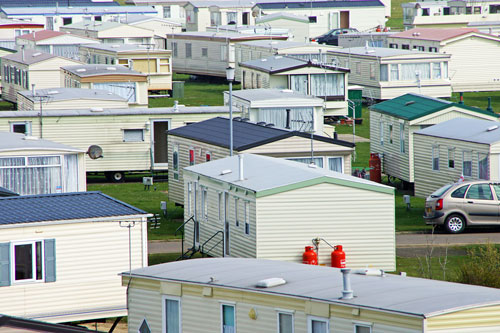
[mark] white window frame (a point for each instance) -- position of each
(402, 141)
(451, 153)
(220, 198)
(341, 163)
(463, 162)
(310, 319)
(33, 263)
(364, 325)
(479, 155)
(246, 208)
(236, 219)
(133, 129)
(435, 155)
(164, 319)
(223, 52)
(289, 313)
(381, 133)
(175, 166)
(222, 304)
(25, 123)
(204, 202)
(190, 198)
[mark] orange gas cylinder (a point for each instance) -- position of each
(309, 257)
(338, 257)
(375, 168)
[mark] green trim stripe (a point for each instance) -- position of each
(321, 180)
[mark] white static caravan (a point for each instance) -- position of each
(458, 147)
(81, 241)
(22, 69)
(68, 98)
(160, 26)
(393, 123)
(298, 25)
(209, 140)
(10, 29)
(249, 295)
(270, 208)
(172, 10)
(327, 82)
(54, 42)
(208, 53)
(306, 113)
(29, 165)
(469, 70)
(132, 139)
(386, 73)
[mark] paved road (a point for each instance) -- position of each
(403, 240)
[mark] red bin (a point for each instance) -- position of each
(375, 168)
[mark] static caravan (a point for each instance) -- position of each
(209, 140)
(208, 53)
(132, 139)
(10, 29)
(23, 69)
(155, 63)
(251, 295)
(54, 15)
(172, 10)
(386, 73)
(123, 81)
(394, 122)
(310, 78)
(271, 208)
(259, 49)
(160, 26)
(111, 32)
(298, 25)
(284, 108)
(455, 148)
(326, 15)
(29, 165)
(54, 42)
(449, 14)
(69, 98)
(462, 44)
(61, 255)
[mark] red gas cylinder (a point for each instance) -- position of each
(375, 168)
(338, 257)
(309, 257)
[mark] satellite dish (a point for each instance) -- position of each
(94, 152)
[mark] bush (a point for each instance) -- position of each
(482, 267)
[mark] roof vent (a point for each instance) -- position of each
(312, 165)
(225, 172)
(29, 137)
(269, 125)
(96, 109)
(53, 92)
(286, 90)
(271, 282)
(115, 46)
(261, 123)
(369, 271)
(111, 68)
(263, 59)
(81, 70)
(492, 128)
(409, 103)
(278, 57)
(36, 54)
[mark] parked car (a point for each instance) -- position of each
(460, 205)
(332, 36)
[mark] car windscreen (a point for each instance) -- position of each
(441, 191)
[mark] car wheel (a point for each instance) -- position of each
(455, 224)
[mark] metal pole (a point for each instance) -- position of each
(231, 118)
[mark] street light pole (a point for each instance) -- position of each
(230, 78)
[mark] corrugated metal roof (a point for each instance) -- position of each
(18, 141)
(118, 112)
(6, 192)
(64, 94)
(393, 293)
(246, 135)
(62, 206)
(29, 57)
(272, 94)
(264, 173)
(89, 10)
(100, 69)
(434, 34)
(279, 63)
(465, 129)
(320, 4)
(412, 106)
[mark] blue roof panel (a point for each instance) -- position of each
(62, 206)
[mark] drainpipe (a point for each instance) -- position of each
(287, 119)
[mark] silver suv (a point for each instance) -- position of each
(464, 204)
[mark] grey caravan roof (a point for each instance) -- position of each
(465, 129)
(64, 94)
(29, 57)
(279, 63)
(62, 206)
(118, 112)
(379, 52)
(100, 69)
(275, 44)
(272, 94)
(18, 141)
(389, 293)
(263, 173)
(246, 135)
(319, 4)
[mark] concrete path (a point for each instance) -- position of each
(348, 138)
(160, 246)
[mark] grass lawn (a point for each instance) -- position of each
(396, 20)
(480, 99)
(149, 201)
(417, 266)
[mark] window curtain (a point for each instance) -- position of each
(172, 315)
(483, 166)
(298, 83)
(335, 164)
(126, 90)
(68, 51)
(318, 326)
(384, 75)
(318, 161)
(228, 325)
(71, 173)
(327, 84)
(285, 322)
(394, 72)
(300, 118)
(467, 164)
(409, 72)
